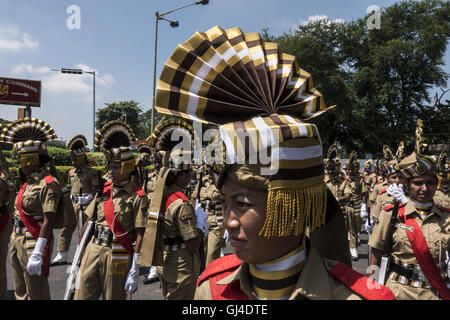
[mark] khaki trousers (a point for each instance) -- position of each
(65, 235)
(5, 236)
(96, 276)
(26, 287)
(179, 275)
(215, 243)
(354, 223)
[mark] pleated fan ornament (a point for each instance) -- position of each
(144, 154)
(77, 147)
(417, 163)
(259, 98)
(333, 161)
(172, 140)
(28, 135)
(114, 140)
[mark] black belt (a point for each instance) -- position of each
(173, 241)
(410, 274)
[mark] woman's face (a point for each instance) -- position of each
(244, 215)
(422, 188)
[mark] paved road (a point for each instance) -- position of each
(58, 274)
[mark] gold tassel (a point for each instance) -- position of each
(293, 211)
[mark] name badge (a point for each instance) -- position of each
(404, 227)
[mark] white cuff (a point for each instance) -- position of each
(40, 245)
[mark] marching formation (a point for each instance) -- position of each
(255, 211)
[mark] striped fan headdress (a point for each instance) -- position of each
(77, 148)
(368, 164)
(442, 163)
(145, 154)
(391, 166)
(28, 136)
(175, 137)
(333, 161)
(114, 140)
(353, 162)
(418, 164)
(259, 98)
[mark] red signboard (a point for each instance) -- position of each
(20, 92)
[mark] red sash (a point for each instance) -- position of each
(174, 196)
(33, 227)
(108, 210)
(423, 255)
(358, 283)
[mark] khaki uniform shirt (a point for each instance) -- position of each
(354, 187)
(333, 183)
(315, 282)
(179, 218)
(382, 202)
(40, 197)
(210, 192)
(376, 190)
(130, 209)
(442, 198)
(436, 231)
(83, 180)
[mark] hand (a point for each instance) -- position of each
(34, 266)
(397, 192)
(86, 199)
(364, 213)
(202, 218)
(132, 281)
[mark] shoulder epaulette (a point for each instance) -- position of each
(139, 191)
(49, 179)
(381, 192)
(225, 263)
(358, 283)
(444, 209)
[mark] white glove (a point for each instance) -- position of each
(226, 236)
(202, 218)
(132, 281)
(368, 227)
(397, 192)
(34, 266)
(364, 213)
(86, 199)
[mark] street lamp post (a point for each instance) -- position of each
(79, 71)
(173, 24)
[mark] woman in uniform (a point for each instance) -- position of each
(178, 232)
(35, 208)
(109, 264)
(415, 232)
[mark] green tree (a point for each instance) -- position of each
(380, 80)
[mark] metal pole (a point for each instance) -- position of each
(93, 129)
(152, 124)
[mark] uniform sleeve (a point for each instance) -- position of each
(380, 231)
(89, 211)
(186, 221)
(51, 195)
(140, 212)
(377, 208)
(373, 195)
(349, 188)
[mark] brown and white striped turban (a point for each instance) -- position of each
(259, 98)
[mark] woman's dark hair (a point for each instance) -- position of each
(43, 159)
(171, 178)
